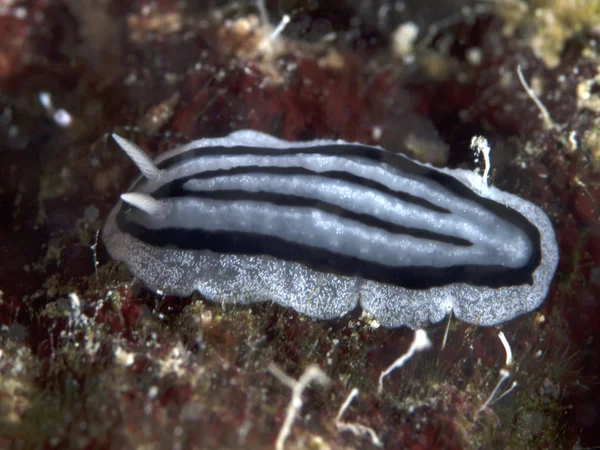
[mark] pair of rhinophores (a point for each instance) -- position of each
(323, 226)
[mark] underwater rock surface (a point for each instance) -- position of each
(89, 358)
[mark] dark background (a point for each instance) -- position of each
(90, 359)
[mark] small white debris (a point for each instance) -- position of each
(403, 39)
(574, 145)
(45, 100)
(374, 324)
(329, 37)
(506, 348)
(376, 133)
(474, 56)
(60, 116)
(540, 318)
(94, 248)
(20, 12)
(123, 357)
(75, 303)
(206, 318)
(369, 320)
(508, 391)
(355, 428)
(312, 373)
(548, 123)
(445, 339)
(480, 146)
(152, 392)
(504, 374)
(420, 342)
(267, 45)
(78, 319)
(279, 29)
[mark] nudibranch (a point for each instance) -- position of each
(323, 226)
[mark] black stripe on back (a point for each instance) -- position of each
(356, 152)
(290, 201)
(319, 259)
(376, 155)
(283, 171)
(372, 154)
(328, 261)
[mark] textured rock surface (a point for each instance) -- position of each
(90, 359)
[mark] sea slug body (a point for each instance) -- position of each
(323, 226)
